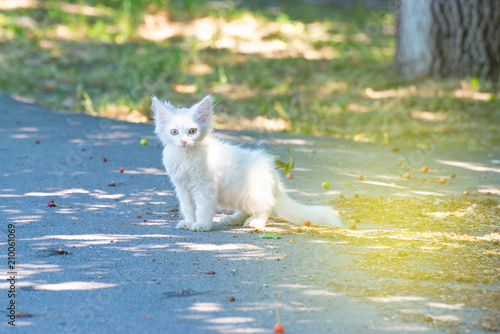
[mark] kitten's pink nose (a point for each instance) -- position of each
(184, 142)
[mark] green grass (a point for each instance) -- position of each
(322, 70)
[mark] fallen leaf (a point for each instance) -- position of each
(25, 315)
(210, 272)
(287, 166)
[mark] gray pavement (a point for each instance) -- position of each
(126, 274)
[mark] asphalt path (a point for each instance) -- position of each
(108, 258)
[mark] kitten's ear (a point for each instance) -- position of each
(161, 111)
(203, 112)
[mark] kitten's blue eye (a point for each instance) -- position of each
(192, 131)
(174, 132)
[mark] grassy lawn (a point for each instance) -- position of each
(297, 68)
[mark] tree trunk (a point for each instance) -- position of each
(448, 38)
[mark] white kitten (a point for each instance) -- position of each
(208, 173)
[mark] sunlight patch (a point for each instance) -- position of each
(390, 93)
(206, 307)
(446, 318)
(404, 328)
(16, 4)
(466, 91)
(231, 320)
(79, 9)
(396, 299)
(58, 193)
(429, 116)
(446, 306)
(260, 123)
(73, 286)
(469, 165)
(319, 293)
(384, 184)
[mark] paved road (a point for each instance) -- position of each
(126, 274)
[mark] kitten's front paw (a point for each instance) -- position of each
(201, 227)
(229, 220)
(257, 224)
(184, 225)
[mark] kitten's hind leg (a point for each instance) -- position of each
(237, 219)
(257, 222)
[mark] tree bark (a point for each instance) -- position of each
(448, 38)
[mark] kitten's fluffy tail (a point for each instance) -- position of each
(297, 213)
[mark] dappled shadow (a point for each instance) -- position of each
(119, 231)
(111, 238)
(279, 66)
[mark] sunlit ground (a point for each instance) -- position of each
(435, 248)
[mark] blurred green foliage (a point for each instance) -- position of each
(318, 70)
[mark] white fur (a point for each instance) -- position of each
(208, 174)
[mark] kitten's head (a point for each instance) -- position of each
(184, 127)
